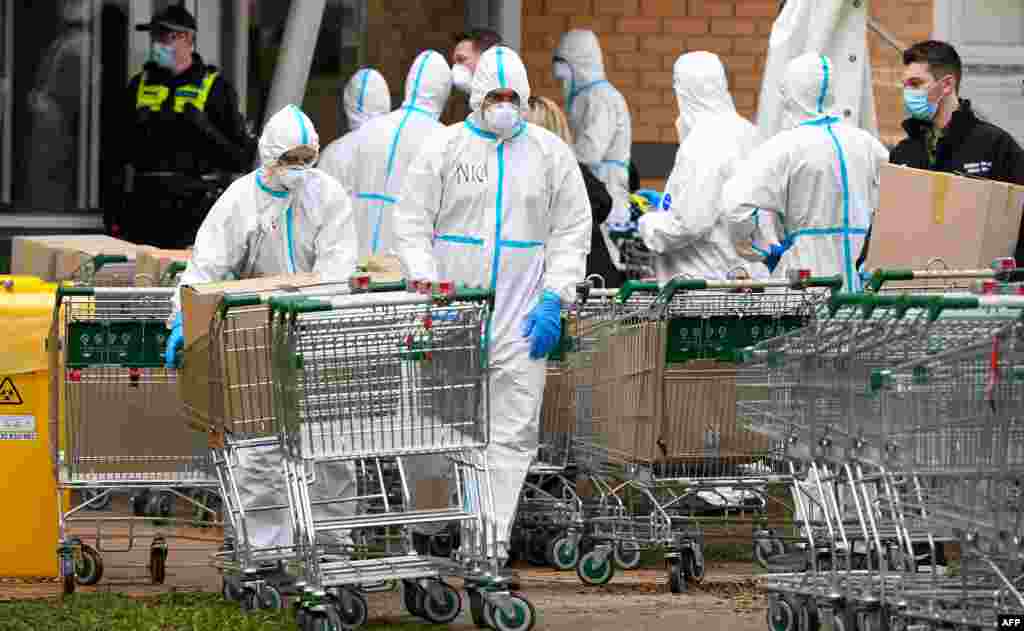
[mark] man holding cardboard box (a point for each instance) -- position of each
(284, 218)
(943, 132)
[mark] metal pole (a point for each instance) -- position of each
(477, 13)
(84, 118)
(296, 56)
(6, 83)
(96, 100)
(240, 52)
(506, 18)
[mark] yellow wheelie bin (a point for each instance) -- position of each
(27, 483)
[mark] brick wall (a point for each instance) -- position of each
(641, 40)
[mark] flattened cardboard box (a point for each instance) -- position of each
(58, 257)
(241, 390)
(922, 215)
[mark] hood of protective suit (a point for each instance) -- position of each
(582, 51)
(287, 129)
(701, 87)
(429, 83)
(366, 96)
(807, 89)
(499, 68)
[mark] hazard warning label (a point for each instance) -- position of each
(8, 393)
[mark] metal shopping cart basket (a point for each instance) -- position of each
(123, 431)
(395, 374)
(905, 410)
(662, 430)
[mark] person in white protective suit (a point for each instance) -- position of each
(366, 97)
(285, 217)
(374, 171)
(836, 29)
(689, 234)
(600, 121)
(500, 203)
(806, 197)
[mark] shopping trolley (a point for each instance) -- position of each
(393, 374)
(228, 376)
(660, 435)
(105, 270)
(122, 429)
(905, 411)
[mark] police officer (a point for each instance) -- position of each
(185, 136)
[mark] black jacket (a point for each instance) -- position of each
(969, 146)
(599, 261)
(191, 142)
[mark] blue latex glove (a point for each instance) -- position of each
(771, 260)
(543, 325)
(175, 342)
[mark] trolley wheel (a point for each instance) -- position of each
(230, 592)
(88, 568)
(158, 564)
(695, 571)
(351, 608)
(767, 548)
(268, 598)
(411, 598)
(89, 494)
(627, 555)
(782, 615)
(809, 620)
(69, 584)
(593, 571)
(477, 609)
(537, 549)
(563, 553)
(440, 610)
(676, 576)
(521, 618)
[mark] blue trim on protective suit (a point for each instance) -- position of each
(818, 232)
(417, 110)
(824, 85)
(509, 243)
(499, 200)
(393, 149)
(377, 197)
(619, 163)
(499, 53)
(269, 191)
(458, 238)
(302, 125)
(290, 223)
(362, 90)
(853, 279)
(574, 92)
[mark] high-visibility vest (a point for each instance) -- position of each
(152, 97)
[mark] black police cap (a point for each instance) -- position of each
(173, 18)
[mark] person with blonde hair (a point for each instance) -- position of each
(547, 114)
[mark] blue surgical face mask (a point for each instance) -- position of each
(917, 105)
(162, 55)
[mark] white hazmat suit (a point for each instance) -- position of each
(508, 212)
(258, 228)
(375, 169)
(690, 235)
(599, 118)
(815, 185)
(366, 97)
(836, 29)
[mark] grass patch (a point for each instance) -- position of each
(169, 612)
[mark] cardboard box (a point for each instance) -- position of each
(59, 257)
(151, 263)
(200, 302)
(432, 494)
(922, 215)
(382, 269)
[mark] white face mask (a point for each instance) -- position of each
(462, 78)
(162, 55)
(293, 177)
(502, 118)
